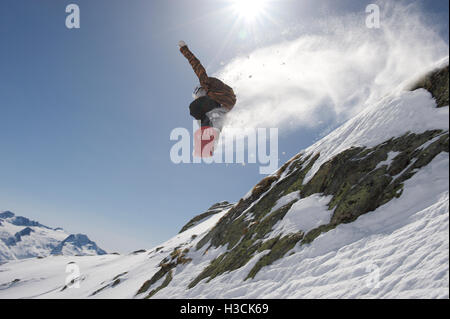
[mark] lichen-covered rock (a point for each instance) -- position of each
(177, 257)
(214, 209)
(437, 83)
(358, 179)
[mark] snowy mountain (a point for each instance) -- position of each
(22, 238)
(362, 213)
(77, 245)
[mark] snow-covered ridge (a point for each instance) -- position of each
(393, 116)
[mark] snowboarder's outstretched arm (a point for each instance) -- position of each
(195, 63)
(215, 89)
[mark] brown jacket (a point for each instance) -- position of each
(216, 89)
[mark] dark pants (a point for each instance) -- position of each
(200, 107)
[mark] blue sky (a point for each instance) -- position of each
(86, 114)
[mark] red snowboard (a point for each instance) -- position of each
(204, 141)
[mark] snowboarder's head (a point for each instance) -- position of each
(198, 92)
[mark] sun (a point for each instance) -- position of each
(249, 9)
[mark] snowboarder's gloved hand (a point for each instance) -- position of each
(181, 44)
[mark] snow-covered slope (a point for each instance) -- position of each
(22, 238)
(363, 213)
(106, 276)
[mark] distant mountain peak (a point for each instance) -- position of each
(6, 214)
(81, 239)
(22, 238)
(77, 244)
(23, 221)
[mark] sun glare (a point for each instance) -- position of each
(249, 9)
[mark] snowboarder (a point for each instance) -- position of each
(213, 99)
